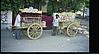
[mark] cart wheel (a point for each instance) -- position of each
(34, 31)
(72, 29)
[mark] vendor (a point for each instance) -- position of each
(55, 25)
(16, 31)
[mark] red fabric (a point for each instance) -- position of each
(48, 20)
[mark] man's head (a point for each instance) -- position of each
(19, 12)
(57, 15)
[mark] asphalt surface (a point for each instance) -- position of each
(46, 43)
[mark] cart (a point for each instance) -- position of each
(68, 25)
(32, 24)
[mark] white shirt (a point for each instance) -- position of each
(56, 22)
(17, 21)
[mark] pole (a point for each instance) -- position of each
(83, 10)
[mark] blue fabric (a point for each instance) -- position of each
(17, 33)
(54, 30)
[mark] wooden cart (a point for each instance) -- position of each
(32, 24)
(68, 26)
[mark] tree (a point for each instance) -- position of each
(64, 5)
(15, 5)
(5, 5)
(53, 5)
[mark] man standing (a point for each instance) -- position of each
(55, 25)
(16, 31)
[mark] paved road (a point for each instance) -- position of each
(59, 43)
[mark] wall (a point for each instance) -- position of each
(6, 19)
(87, 11)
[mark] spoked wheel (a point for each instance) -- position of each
(72, 29)
(34, 31)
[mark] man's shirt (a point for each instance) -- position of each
(56, 22)
(17, 21)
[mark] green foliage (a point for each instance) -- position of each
(87, 3)
(5, 5)
(66, 5)
(53, 5)
(15, 5)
